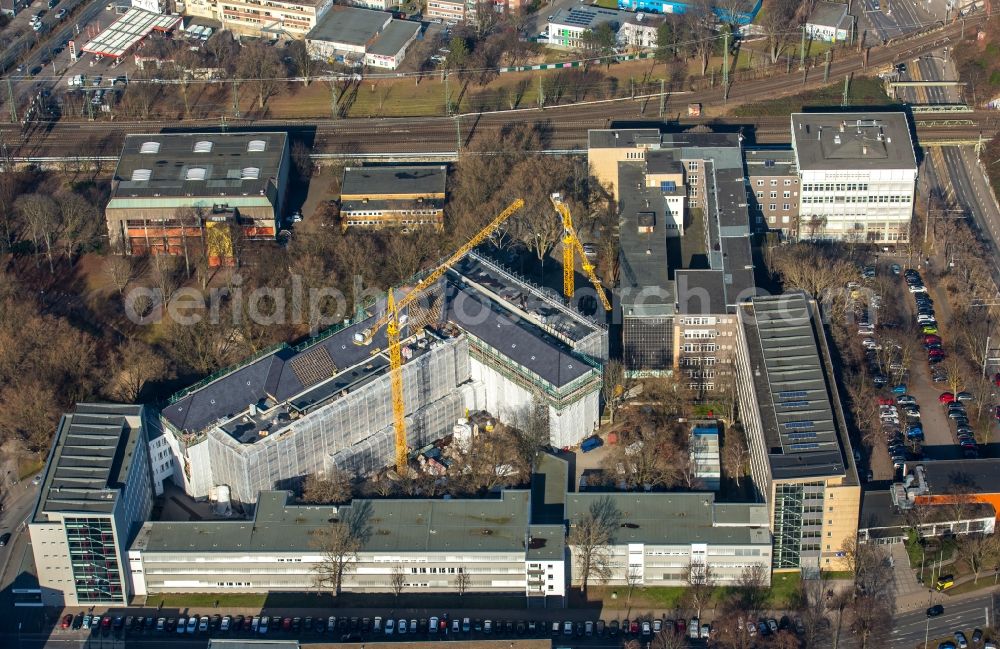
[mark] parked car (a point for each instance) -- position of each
(946, 397)
(961, 641)
(935, 610)
(965, 396)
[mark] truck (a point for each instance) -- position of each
(591, 443)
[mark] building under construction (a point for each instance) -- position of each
(481, 339)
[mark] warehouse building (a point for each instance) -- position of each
(394, 196)
(857, 174)
(684, 248)
(675, 539)
(95, 495)
(357, 36)
(198, 194)
(801, 459)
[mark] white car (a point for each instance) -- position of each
(390, 626)
(192, 624)
(401, 626)
(918, 288)
(866, 330)
(262, 627)
(224, 625)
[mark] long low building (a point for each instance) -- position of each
(361, 37)
(494, 542)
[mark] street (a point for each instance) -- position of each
(910, 628)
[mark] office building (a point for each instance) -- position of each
(857, 175)
(773, 189)
(480, 339)
(394, 196)
(801, 460)
(95, 495)
(830, 22)
(669, 539)
(272, 19)
(361, 37)
(198, 194)
(567, 26)
(684, 248)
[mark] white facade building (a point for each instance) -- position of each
(665, 539)
(858, 175)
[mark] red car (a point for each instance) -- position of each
(67, 620)
(931, 338)
(106, 622)
(286, 624)
(996, 379)
(935, 352)
(946, 397)
(886, 402)
(996, 412)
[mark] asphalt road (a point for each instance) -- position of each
(910, 628)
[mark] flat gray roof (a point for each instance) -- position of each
(394, 37)
(679, 518)
(409, 525)
(828, 14)
(879, 512)
(770, 161)
(643, 255)
(846, 141)
(349, 25)
(523, 342)
(800, 430)
(228, 164)
(622, 137)
(424, 180)
(979, 476)
(90, 459)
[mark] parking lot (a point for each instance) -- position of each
(150, 625)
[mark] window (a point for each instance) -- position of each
(256, 146)
(692, 165)
(774, 194)
(150, 147)
(787, 182)
(195, 173)
(786, 194)
(760, 194)
(693, 180)
(141, 175)
(773, 206)
(760, 183)
(250, 173)
(203, 146)
(774, 183)
(785, 206)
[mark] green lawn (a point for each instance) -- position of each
(607, 4)
(207, 600)
(864, 91)
(783, 592)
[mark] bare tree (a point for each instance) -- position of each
(700, 579)
(333, 487)
(978, 551)
(462, 581)
(260, 67)
(613, 386)
(41, 213)
(340, 543)
(753, 588)
(735, 453)
(340, 553)
(592, 536)
(81, 223)
(119, 271)
(305, 65)
(133, 366)
(633, 578)
(668, 638)
(776, 22)
(397, 580)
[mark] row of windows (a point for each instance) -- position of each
(891, 198)
(774, 183)
(775, 194)
(701, 386)
(699, 347)
(773, 206)
(700, 333)
(696, 361)
(698, 321)
(835, 187)
(700, 374)
(434, 571)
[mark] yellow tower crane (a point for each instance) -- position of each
(390, 320)
(571, 248)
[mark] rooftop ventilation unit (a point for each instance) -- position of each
(256, 146)
(141, 175)
(203, 146)
(150, 147)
